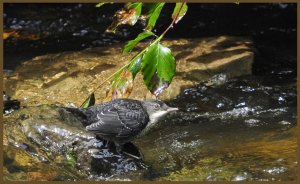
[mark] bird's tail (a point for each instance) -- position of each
(78, 113)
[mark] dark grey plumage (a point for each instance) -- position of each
(121, 120)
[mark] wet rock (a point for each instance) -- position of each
(21, 165)
(203, 141)
(227, 129)
(72, 76)
(38, 140)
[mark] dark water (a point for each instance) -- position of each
(239, 130)
(227, 129)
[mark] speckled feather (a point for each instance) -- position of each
(118, 120)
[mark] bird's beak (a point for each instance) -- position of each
(172, 109)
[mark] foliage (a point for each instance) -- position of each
(130, 45)
(153, 14)
(158, 68)
(156, 62)
(181, 10)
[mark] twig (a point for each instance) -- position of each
(174, 20)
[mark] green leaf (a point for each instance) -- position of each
(90, 101)
(153, 14)
(135, 66)
(158, 68)
(180, 12)
(130, 45)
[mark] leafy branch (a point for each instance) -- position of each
(156, 62)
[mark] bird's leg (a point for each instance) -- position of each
(132, 156)
(119, 148)
(106, 144)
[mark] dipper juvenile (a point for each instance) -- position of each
(121, 120)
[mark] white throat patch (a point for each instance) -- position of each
(156, 117)
(153, 119)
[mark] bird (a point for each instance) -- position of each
(122, 120)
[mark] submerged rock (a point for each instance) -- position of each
(72, 76)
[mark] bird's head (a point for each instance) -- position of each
(156, 109)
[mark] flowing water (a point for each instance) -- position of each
(226, 129)
(242, 129)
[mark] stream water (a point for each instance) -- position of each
(226, 129)
(238, 129)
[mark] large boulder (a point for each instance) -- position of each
(48, 143)
(71, 76)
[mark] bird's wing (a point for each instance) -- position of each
(106, 122)
(133, 122)
(118, 122)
